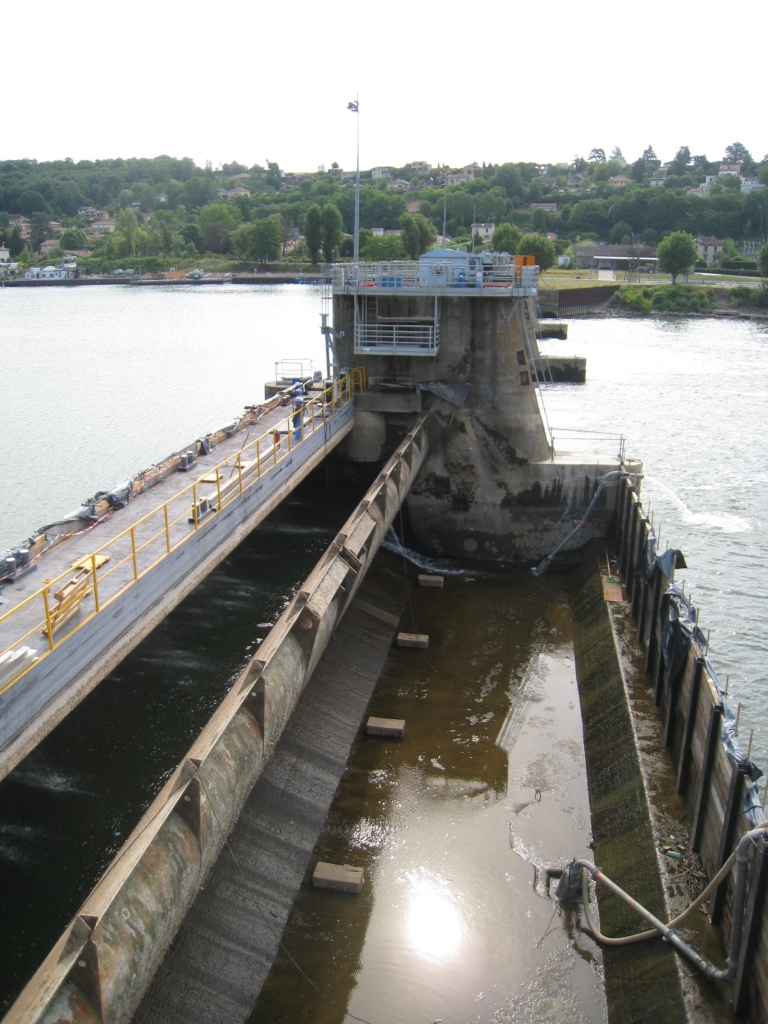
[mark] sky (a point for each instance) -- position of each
(446, 83)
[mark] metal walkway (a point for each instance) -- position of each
(108, 587)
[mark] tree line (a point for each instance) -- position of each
(171, 208)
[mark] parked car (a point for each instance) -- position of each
(117, 271)
(129, 272)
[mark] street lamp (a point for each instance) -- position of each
(354, 106)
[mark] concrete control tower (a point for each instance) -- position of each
(463, 326)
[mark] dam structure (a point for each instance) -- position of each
(495, 487)
(435, 381)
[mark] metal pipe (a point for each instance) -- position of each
(543, 567)
(667, 931)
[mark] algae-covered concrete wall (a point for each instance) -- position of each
(642, 982)
(712, 772)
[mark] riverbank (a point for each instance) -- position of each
(163, 280)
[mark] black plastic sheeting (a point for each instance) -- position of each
(678, 632)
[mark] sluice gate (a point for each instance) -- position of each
(104, 961)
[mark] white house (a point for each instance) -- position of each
(657, 180)
(750, 185)
(485, 231)
(398, 183)
(456, 179)
(49, 273)
(732, 169)
(709, 248)
(5, 254)
(380, 174)
(419, 167)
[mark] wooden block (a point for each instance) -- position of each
(420, 640)
(85, 563)
(386, 727)
(612, 592)
(342, 877)
(425, 580)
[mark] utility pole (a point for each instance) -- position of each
(354, 106)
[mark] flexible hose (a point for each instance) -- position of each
(628, 940)
(667, 931)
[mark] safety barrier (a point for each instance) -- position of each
(430, 278)
(122, 561)
(714, 776)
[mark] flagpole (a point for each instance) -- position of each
(357, 186)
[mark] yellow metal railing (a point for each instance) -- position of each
(118, 564)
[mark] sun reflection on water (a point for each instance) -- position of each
(433, 924)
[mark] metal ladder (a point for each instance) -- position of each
(541, 371)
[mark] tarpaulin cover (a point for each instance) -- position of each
(678, 632)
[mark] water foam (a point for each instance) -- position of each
(727, 522)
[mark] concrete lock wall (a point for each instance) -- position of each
(60, 680)
(713, 782)
(102, 964)
(492, 488)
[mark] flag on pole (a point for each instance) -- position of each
(353, 105)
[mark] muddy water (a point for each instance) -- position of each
(454, 826)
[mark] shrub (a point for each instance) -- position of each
(741, 296)
(748, 298)
(681, 299)
(633, 298)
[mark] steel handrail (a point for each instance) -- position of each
(329, 401)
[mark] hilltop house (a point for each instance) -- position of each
(47, 247)
(750, 185)
(575, 180)
(5, 254)
(458, 177)
(732, 169)
(398, 183)
(709, 248)
(485, 230)
(419, 167)
(619, 179)
(381, 174)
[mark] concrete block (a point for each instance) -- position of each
(420, 640)
(612, 592)
(425, 580)
(386, 727)
(342, 877)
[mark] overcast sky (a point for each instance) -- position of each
(448, 83)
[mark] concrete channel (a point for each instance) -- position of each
(102, 964)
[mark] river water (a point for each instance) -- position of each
(100, 382)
